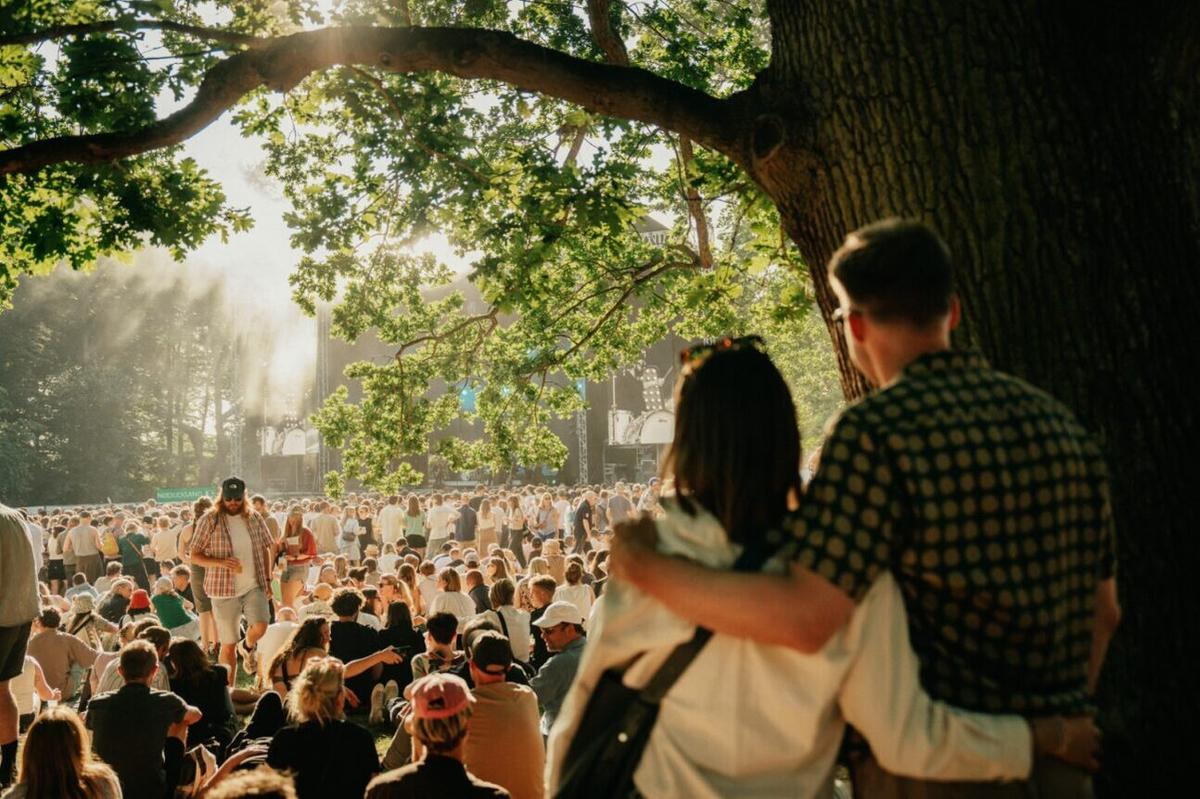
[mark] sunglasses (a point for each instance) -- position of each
(697, 353)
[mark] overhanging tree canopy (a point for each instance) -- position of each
(1054, 145)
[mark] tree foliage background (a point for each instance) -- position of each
(112, 386)
(548, 194)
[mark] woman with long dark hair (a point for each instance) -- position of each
(205, 686)
(735, 465)
(400, 634)
(414, 524)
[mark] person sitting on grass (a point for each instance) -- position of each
(440, 719)
(135, 727)
(328, 755)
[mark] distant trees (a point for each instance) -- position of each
(109, 387)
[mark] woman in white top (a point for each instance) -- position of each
(451, 599)
(30, 689)
(772, 724)
(348, 537)
(575, 591)
(512, 622)
(56, 572)
(516, 526)
(487, 526)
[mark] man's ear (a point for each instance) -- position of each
(858, 326)
(955, 311)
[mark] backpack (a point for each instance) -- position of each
(108, 544)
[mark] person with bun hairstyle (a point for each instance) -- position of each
(327, 755)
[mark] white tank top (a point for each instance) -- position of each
(23, 688)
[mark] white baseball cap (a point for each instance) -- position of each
(558, 613)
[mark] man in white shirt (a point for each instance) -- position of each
(276, 635)
(562, 507)
(391, 521)
(326, 529)
(438, 519)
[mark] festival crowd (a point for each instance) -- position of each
(927, 605)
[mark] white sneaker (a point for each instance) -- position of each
(391, 690)
(249, 657)
(377, 694)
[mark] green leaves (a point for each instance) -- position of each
(103, 84)
(543, 199)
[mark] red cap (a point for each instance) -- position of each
(139, 601)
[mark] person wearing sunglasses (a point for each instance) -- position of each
(983, 498)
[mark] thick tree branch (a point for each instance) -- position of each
(600, 19)
(624, 92)
(112, 25)
(695, 204)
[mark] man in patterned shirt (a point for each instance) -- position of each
(982, 495)
(236, 549)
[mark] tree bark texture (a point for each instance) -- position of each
(1055, 147)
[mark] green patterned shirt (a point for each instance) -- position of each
(989, 503)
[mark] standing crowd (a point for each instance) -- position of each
(930, 606)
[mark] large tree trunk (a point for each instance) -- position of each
(1056, 151)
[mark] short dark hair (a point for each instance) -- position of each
(443, 627)
(138, 660)
(346, 601)
(49, 618)
(157, 635)
(896, 270)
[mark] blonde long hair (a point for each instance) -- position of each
(314, 695)
(57, 759)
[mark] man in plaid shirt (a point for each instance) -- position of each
(236, 549)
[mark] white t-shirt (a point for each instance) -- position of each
(562, 507)
(387, 563)
(578, 595)
(428, 588)
(391, 523)
(273, 640)
(439, 522)
(243, 549)
(455, 602)
(166, 544)
(369, 620)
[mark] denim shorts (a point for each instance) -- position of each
(228, 611)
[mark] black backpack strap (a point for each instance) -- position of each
(751, 560)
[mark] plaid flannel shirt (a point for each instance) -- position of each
(212, 540)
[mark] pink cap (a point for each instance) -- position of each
(440, 696)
